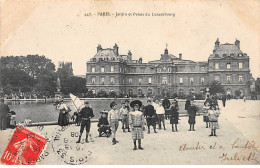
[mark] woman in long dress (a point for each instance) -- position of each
(63, 119)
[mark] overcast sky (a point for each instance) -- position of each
(62, 32)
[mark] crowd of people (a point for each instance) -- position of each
(135, 117)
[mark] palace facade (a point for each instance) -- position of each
(111, 72)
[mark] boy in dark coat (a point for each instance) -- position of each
(192, 110)
(174, 116)
(149, 113)
(86, 114)
(103, 125)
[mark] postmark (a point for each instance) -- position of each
(64, 146)
(24, 148)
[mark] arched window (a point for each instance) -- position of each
(191, 91)
(130, 92)
(229, 92)
(241, 92)
(180, 91)
(93, 91)
(149, 92)
(140, 92)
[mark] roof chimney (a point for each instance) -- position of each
(99, 48)
(130, 55)
(237, 43)
(140, 60)
(180, 56)
(116, 49)
(216, 45)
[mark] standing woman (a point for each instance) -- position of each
(63, 119)
(213, 114)
(136, 121)
(174, 116)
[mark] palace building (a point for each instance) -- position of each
(111, 72)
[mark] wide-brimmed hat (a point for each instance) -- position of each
(138, 102)
(104, 112)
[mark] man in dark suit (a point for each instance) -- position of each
(4, 110)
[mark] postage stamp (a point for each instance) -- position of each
(24, 147)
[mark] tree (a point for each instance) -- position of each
(112, 94)
(74, 85)
(102, 93)
(25, 73)
(215, 87)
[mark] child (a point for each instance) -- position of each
(192, 110)
(160, 115)
(205, 113)
(86, 113)
(75, 117)
(174, 116)
(149, 113)
(103, 125)
(124, 116)
(136, 120)
(213, 114)
(113, 117)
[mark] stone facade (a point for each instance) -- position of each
(109, 71)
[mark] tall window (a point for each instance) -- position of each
(130, 92)
(102, 69)
(93, 79)
(149, 80)
(228, 78)
(140, 93)
(112, 80)
(149, 92)
(202, 80)
(140, 80)
(164, 80)
(102, 80)
(228, 66)
(202, 68)
(216, 65)
(93, 69)
(240, 65)
(240, 78)
(181, 80)
(159, 69)
(217, 77)
(93, 91)
(191, 80)
(112, 68)
(191, 91)
(130, 80)
(180, 91)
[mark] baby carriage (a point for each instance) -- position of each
(103, 125)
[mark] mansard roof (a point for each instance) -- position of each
(106, 53)
(227, 49)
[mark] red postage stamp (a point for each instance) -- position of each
(24, 147)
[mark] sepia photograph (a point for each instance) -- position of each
(120, 82)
